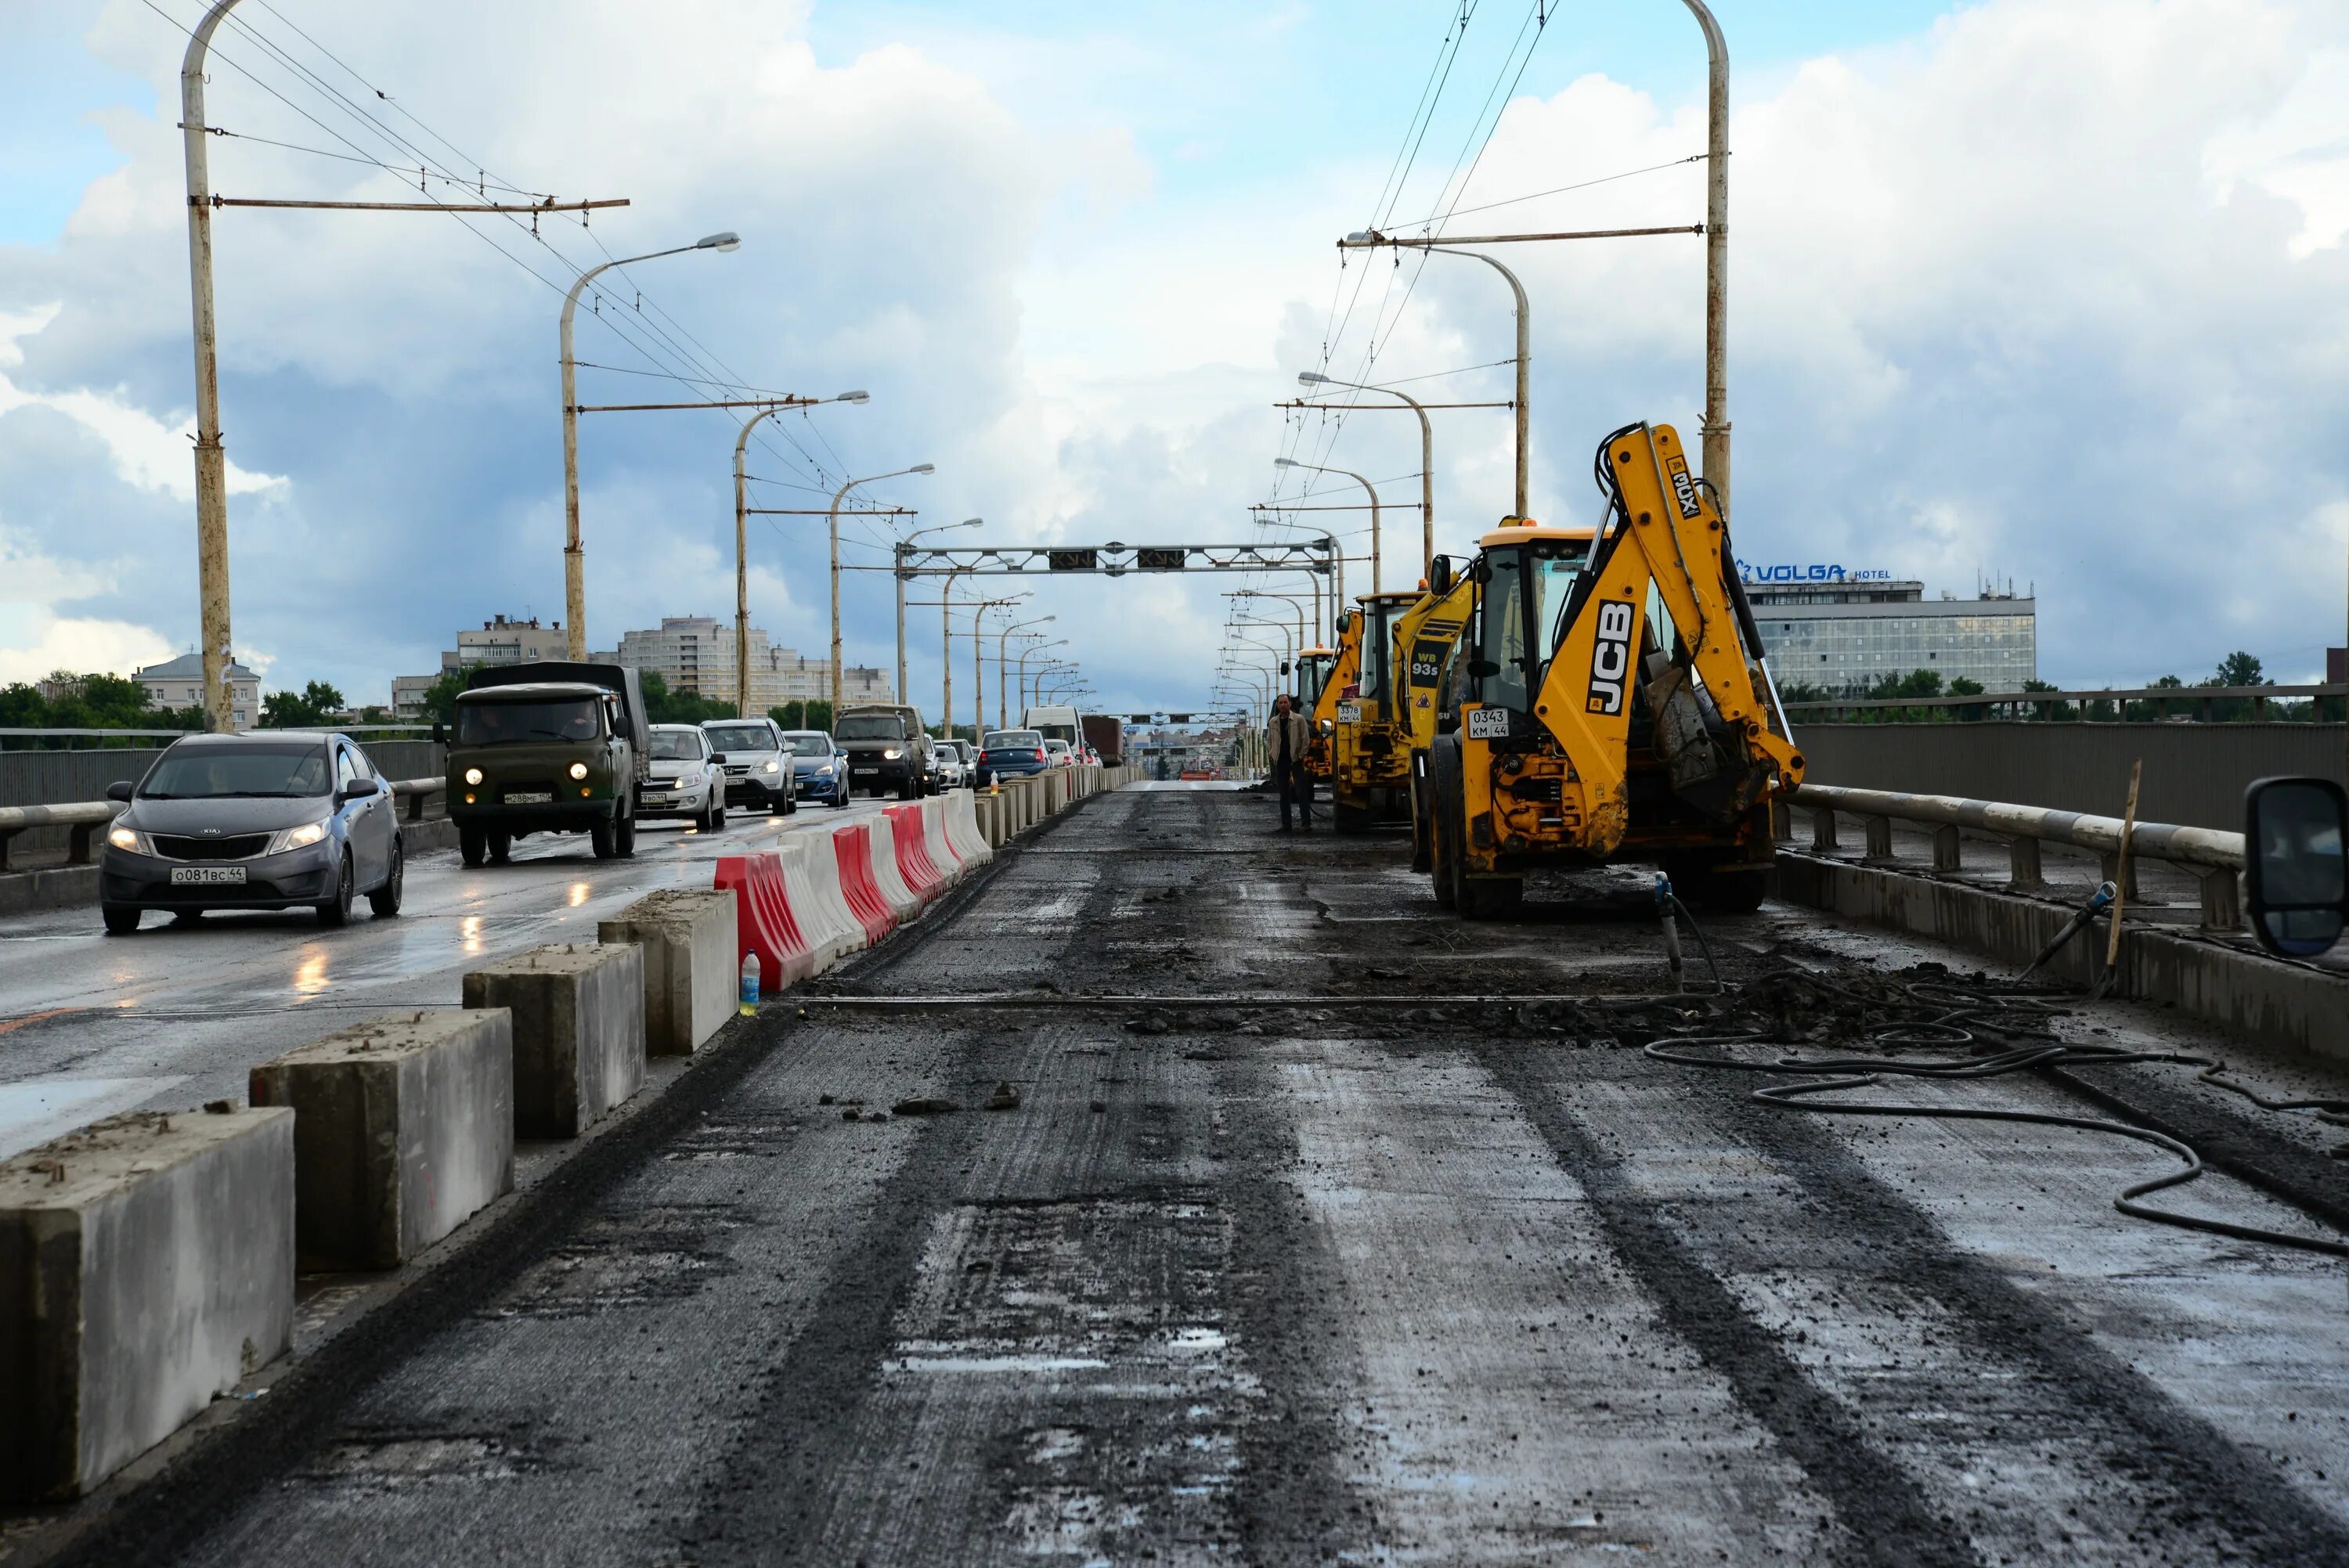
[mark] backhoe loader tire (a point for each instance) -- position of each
(1482, 898)
(1720, 891)
(1443, 820)
(1422, 851)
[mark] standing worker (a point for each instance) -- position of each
(1286, 738)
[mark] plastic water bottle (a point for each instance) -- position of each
(750, 983)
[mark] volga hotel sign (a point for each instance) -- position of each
(1812, 574)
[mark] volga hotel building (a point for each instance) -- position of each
(1843, 630)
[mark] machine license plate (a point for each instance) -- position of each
(207, 876)
(1488, 724)
(530, 798)
(866, 772)
(1350, 713)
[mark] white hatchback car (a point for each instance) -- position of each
(688, 779)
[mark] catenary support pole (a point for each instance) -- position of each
(212, 460)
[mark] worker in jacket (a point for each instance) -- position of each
(1286, 740)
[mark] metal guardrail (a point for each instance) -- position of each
(2214, 856)
(86, 817)
(2203, 699)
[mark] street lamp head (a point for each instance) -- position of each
(971, 522)
(854, 397)
(1360, 237)
(1311, 378)
(923, 469)
(726, 241)
(1287, 463)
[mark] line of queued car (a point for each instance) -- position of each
(293, 819)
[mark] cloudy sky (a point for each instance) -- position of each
(2049, 290)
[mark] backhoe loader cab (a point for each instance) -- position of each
(1310, 674)
(1371, 765)
(1610, 702)
(1424, 637)
(1345, 669)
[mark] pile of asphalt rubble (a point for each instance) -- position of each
(1777, 1003)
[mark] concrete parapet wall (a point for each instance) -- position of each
(403, 1130)
(578, 1031)
(687, 935)
(146, 1266)
(2194, 773)
(2280, 1004)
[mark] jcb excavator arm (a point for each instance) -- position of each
(1716, 719)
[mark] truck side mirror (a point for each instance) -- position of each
(439, 732)
(1439, 576)
(2298, 880)
(1483, 669)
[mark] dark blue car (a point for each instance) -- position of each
(1010, 754)
(819, 768)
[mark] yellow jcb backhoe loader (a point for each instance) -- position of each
(1424, 637)
(1307, 678)
(1577, 734)
(1371, 766)
(1345, 667)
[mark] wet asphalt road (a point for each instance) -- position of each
(175, 1014)
(1312, 1280)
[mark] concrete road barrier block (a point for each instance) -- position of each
(146, 1265)
(578, 1031)
(403, 1130)
(690, 966)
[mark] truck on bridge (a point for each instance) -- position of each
(546, 747)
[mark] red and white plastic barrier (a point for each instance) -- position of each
(881, 842)
(910, 843)
(943, 853)
(764, 923)
(853, 860)
(963, 831)
(822, 866)
(828, 934)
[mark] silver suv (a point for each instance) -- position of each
(757, 763)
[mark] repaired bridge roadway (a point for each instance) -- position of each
(1296, 1278)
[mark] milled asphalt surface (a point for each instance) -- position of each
(1292, 1282)
(174, 1014)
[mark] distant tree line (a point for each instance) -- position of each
(2238, 669)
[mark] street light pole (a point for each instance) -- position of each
(742, 551)
(1715, 429)
(1318, 468)
(1002, 710)
(1025, 653)
(1337, 565)
(1427, 462)
(900, 551)
(1364, 240)
(575, 573)
(838, 496)
(1295, 605)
